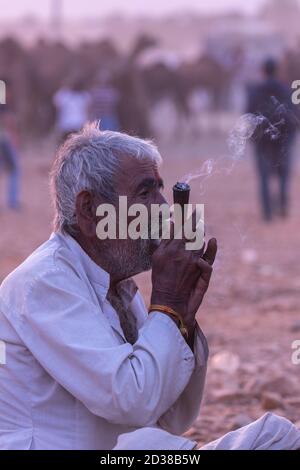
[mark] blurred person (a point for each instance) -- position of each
(104, 102)
(9, 157)
(72, 106)
(274, 141)
(86, 361)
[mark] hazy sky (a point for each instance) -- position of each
(77, 8)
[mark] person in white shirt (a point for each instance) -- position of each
(84, 360)
(72, 108)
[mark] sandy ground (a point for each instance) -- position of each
(251, 312)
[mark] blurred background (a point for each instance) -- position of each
(195, 77)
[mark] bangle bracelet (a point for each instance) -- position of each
(169, 311)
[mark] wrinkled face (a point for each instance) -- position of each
(141, 183)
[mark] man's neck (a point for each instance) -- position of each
(89, 248)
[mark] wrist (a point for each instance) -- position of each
(177, 304)
(175, 315)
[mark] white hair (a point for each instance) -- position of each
(89, 160)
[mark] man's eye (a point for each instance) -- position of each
(145, 192)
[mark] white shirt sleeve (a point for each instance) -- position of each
(72, 339)
(181, 416)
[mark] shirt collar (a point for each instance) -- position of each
(126, 288)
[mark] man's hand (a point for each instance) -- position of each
(205, 264)
(180, 277)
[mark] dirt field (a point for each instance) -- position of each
(251, 312)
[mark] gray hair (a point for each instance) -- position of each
(89, 160)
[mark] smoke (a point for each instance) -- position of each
(248, 126)
(242, 131)
(270, 127)
(237, 139)
(204, 172)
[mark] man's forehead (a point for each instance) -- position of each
(130, 163)
(133, 170)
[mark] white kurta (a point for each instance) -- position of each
(71, 381)
(270, 432)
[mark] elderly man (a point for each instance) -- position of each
(84, 359)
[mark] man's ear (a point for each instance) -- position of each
(86, 213)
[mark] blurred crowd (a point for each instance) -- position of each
(56, 88)
(124, 87)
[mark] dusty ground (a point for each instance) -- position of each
(251, 313)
